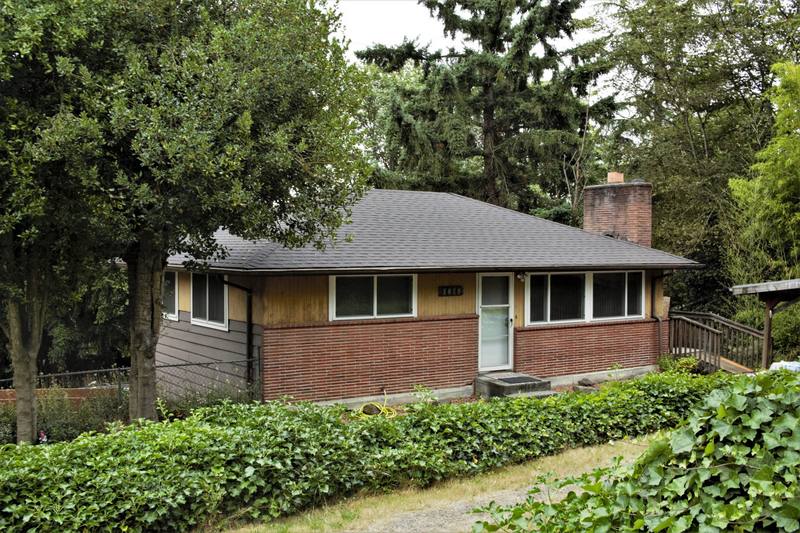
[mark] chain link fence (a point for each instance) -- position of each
(184, 382)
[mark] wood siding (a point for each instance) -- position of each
(294, 300)
(286, 300)
(429, 303)
(185, 292)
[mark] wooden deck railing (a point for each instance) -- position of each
(688, 337)
(733, 341)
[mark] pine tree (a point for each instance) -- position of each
(503, 119)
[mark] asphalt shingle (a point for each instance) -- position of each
(416, 230)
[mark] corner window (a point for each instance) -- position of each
(169, 295)
(372, 296)
(583, 296)
(209, 300)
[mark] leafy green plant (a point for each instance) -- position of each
(732, 466)
(271, 459)
(682, 365)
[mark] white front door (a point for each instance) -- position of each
(496, 328)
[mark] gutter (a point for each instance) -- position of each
(433, 269)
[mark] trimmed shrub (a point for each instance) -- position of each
(275, 458)
(731, 467)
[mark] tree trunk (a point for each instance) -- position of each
(489, 137)
(145, 277)
(24, 325)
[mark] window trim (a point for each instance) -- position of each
(169, 316)
(222, 326)
(374, 316)
(588, 295)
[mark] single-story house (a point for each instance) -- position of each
(430, 289)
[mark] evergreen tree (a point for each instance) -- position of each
(696, 75)
(502, 120)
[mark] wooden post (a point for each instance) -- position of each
(766, 353)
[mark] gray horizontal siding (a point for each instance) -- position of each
(215, 357)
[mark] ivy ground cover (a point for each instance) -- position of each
(267, 460)
(732, 466)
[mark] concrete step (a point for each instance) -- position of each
(505, 383)
(535, 394)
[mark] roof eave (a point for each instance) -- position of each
(458, 268)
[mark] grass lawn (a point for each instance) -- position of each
(445, 506)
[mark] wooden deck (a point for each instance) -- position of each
(733, 367)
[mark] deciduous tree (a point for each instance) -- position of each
(191, 116)
(47, 216)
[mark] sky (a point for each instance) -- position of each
(368, 22)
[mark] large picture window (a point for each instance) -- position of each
(377, 296)
(583, 296)
(209, 300)
(169, 295)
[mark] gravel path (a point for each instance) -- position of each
(451, 517)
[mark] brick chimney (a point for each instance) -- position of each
(619, 209)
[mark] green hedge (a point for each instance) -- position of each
(274, 458)
(733, 466)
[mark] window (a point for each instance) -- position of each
(372, 296)
(583, 296)
(635, 293)
(617, 294)
(556, 297)
(608, 293)
(169, 295)
(209, 300)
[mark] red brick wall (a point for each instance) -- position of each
(363, 358)
(578, 348)
(623, 210)
(76, 395)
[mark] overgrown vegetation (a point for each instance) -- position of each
(63, 419)
(683, 365)
(732, 466)
(266, 460)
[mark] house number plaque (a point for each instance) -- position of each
(451, 290)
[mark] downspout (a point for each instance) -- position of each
(249, 333)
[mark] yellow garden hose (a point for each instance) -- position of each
(382, 409)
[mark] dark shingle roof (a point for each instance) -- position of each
(414, 230)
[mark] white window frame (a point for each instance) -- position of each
(203, 322)
(170, 316)
(588, 295)
(374, 315)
